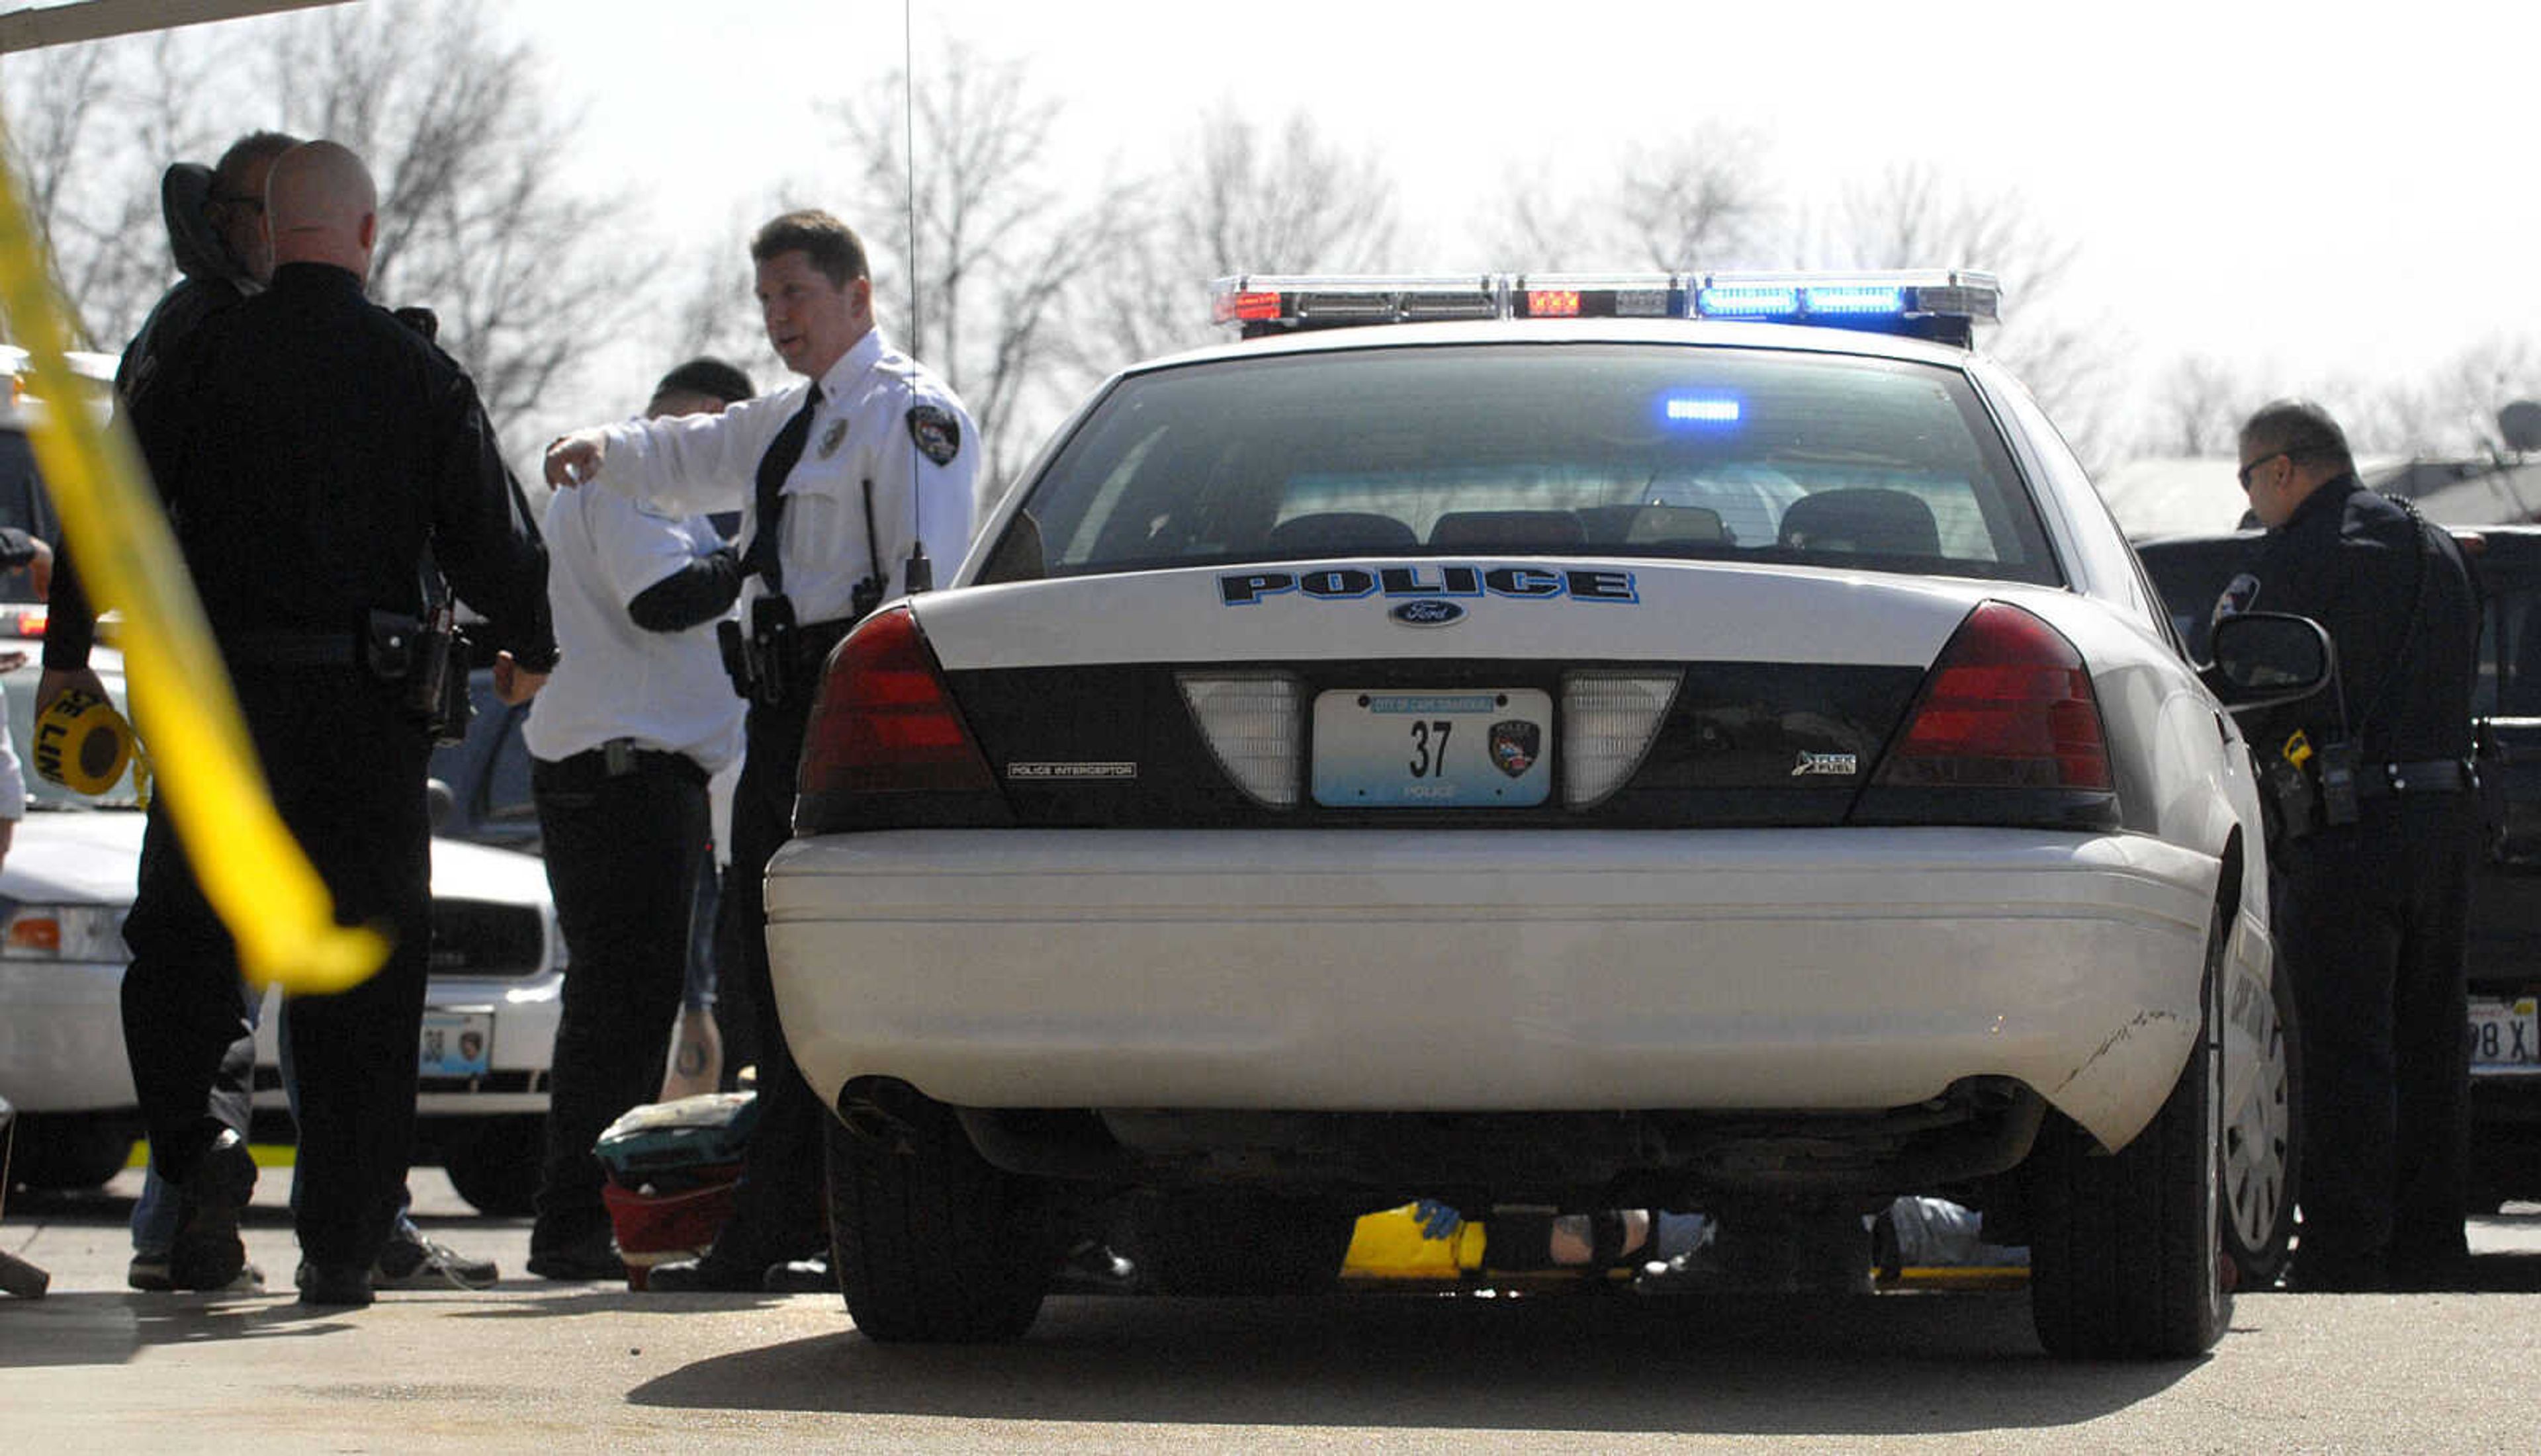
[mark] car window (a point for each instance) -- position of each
(2510, 653)
(1620, 449)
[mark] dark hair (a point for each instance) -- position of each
(710, 377)
(256, 146)
(2300, 429)
(830, 244)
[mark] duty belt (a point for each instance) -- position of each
(2420, 776)
(290, 649)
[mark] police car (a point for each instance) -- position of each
(1692, 742)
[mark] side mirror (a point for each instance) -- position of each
(2264, 658)
(438, 802)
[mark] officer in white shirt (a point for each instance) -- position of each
(632, 724)
(848, 482)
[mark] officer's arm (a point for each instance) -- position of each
(689, 465)
(652, 565)
(696, 593)
(929, 459)
(483, 536)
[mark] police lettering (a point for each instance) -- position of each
(1351, 582)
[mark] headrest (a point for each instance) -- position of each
(1882, 522)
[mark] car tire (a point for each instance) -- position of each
(67, 1153)
(2126, 1257)
(1215, 1242)
(931, 1243)
(2262, 1126)
(496, 1165)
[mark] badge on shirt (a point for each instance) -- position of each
(833, 436)
(2239, 596)
(937, 432)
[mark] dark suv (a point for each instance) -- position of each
(2506, 889)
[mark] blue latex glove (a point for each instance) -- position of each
(1438, 1220)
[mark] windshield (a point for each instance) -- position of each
(1620, 449)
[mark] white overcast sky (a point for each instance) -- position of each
(2309, 192)
(2304, 190)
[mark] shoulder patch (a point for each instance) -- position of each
(937, 431)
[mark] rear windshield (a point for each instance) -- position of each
(1616, 450)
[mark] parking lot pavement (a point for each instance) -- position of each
(530, 1365)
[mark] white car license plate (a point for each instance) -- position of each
(1483, 748)
(456, 1044)
(2506, 1033)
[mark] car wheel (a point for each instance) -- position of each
(1217, 1242)
(2126, 1257)
(932, 1244)
(2262, 1125)
(67, 1153)
(497, 1165)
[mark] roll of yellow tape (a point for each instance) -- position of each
(82, 743)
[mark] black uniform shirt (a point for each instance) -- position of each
(308, 446)
(2352, 560)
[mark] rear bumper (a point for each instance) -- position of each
(1807, 970)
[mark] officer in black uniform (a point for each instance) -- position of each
(310, 447)
(2374, 829)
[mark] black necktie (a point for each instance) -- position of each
(783, 454)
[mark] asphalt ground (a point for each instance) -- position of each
(530, 1365)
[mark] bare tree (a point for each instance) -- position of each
(1241, 200)
(2199, 406)
(1703, 200)
(996, 247)
(478, 220)
(1910, 217)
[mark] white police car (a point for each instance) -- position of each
(1691, 741)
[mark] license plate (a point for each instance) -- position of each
(1486, 748)
(456, 1044)
(2506, 1033)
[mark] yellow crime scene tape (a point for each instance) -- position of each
(254, 874)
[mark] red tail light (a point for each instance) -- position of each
(884, 722)
(2008, 705)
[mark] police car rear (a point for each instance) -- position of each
(1687, 740)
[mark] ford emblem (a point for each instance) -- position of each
(1428, 611)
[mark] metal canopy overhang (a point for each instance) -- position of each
(32, 27)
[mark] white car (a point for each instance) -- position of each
(1693, 742)
(490, 1030)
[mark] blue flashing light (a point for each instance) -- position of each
(1701, 409)
(1749, 301)
(1856, 299)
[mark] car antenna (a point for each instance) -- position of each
(917, 574)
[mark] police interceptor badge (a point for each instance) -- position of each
(937, 432)
(831, 438)
(1838, 765)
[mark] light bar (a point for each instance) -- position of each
(1940, 303)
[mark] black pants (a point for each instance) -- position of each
(2372, 921)
(776, 1210)
(622, 856)
(347, 765)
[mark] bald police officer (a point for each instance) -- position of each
(2374, 829)
(308, 427)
